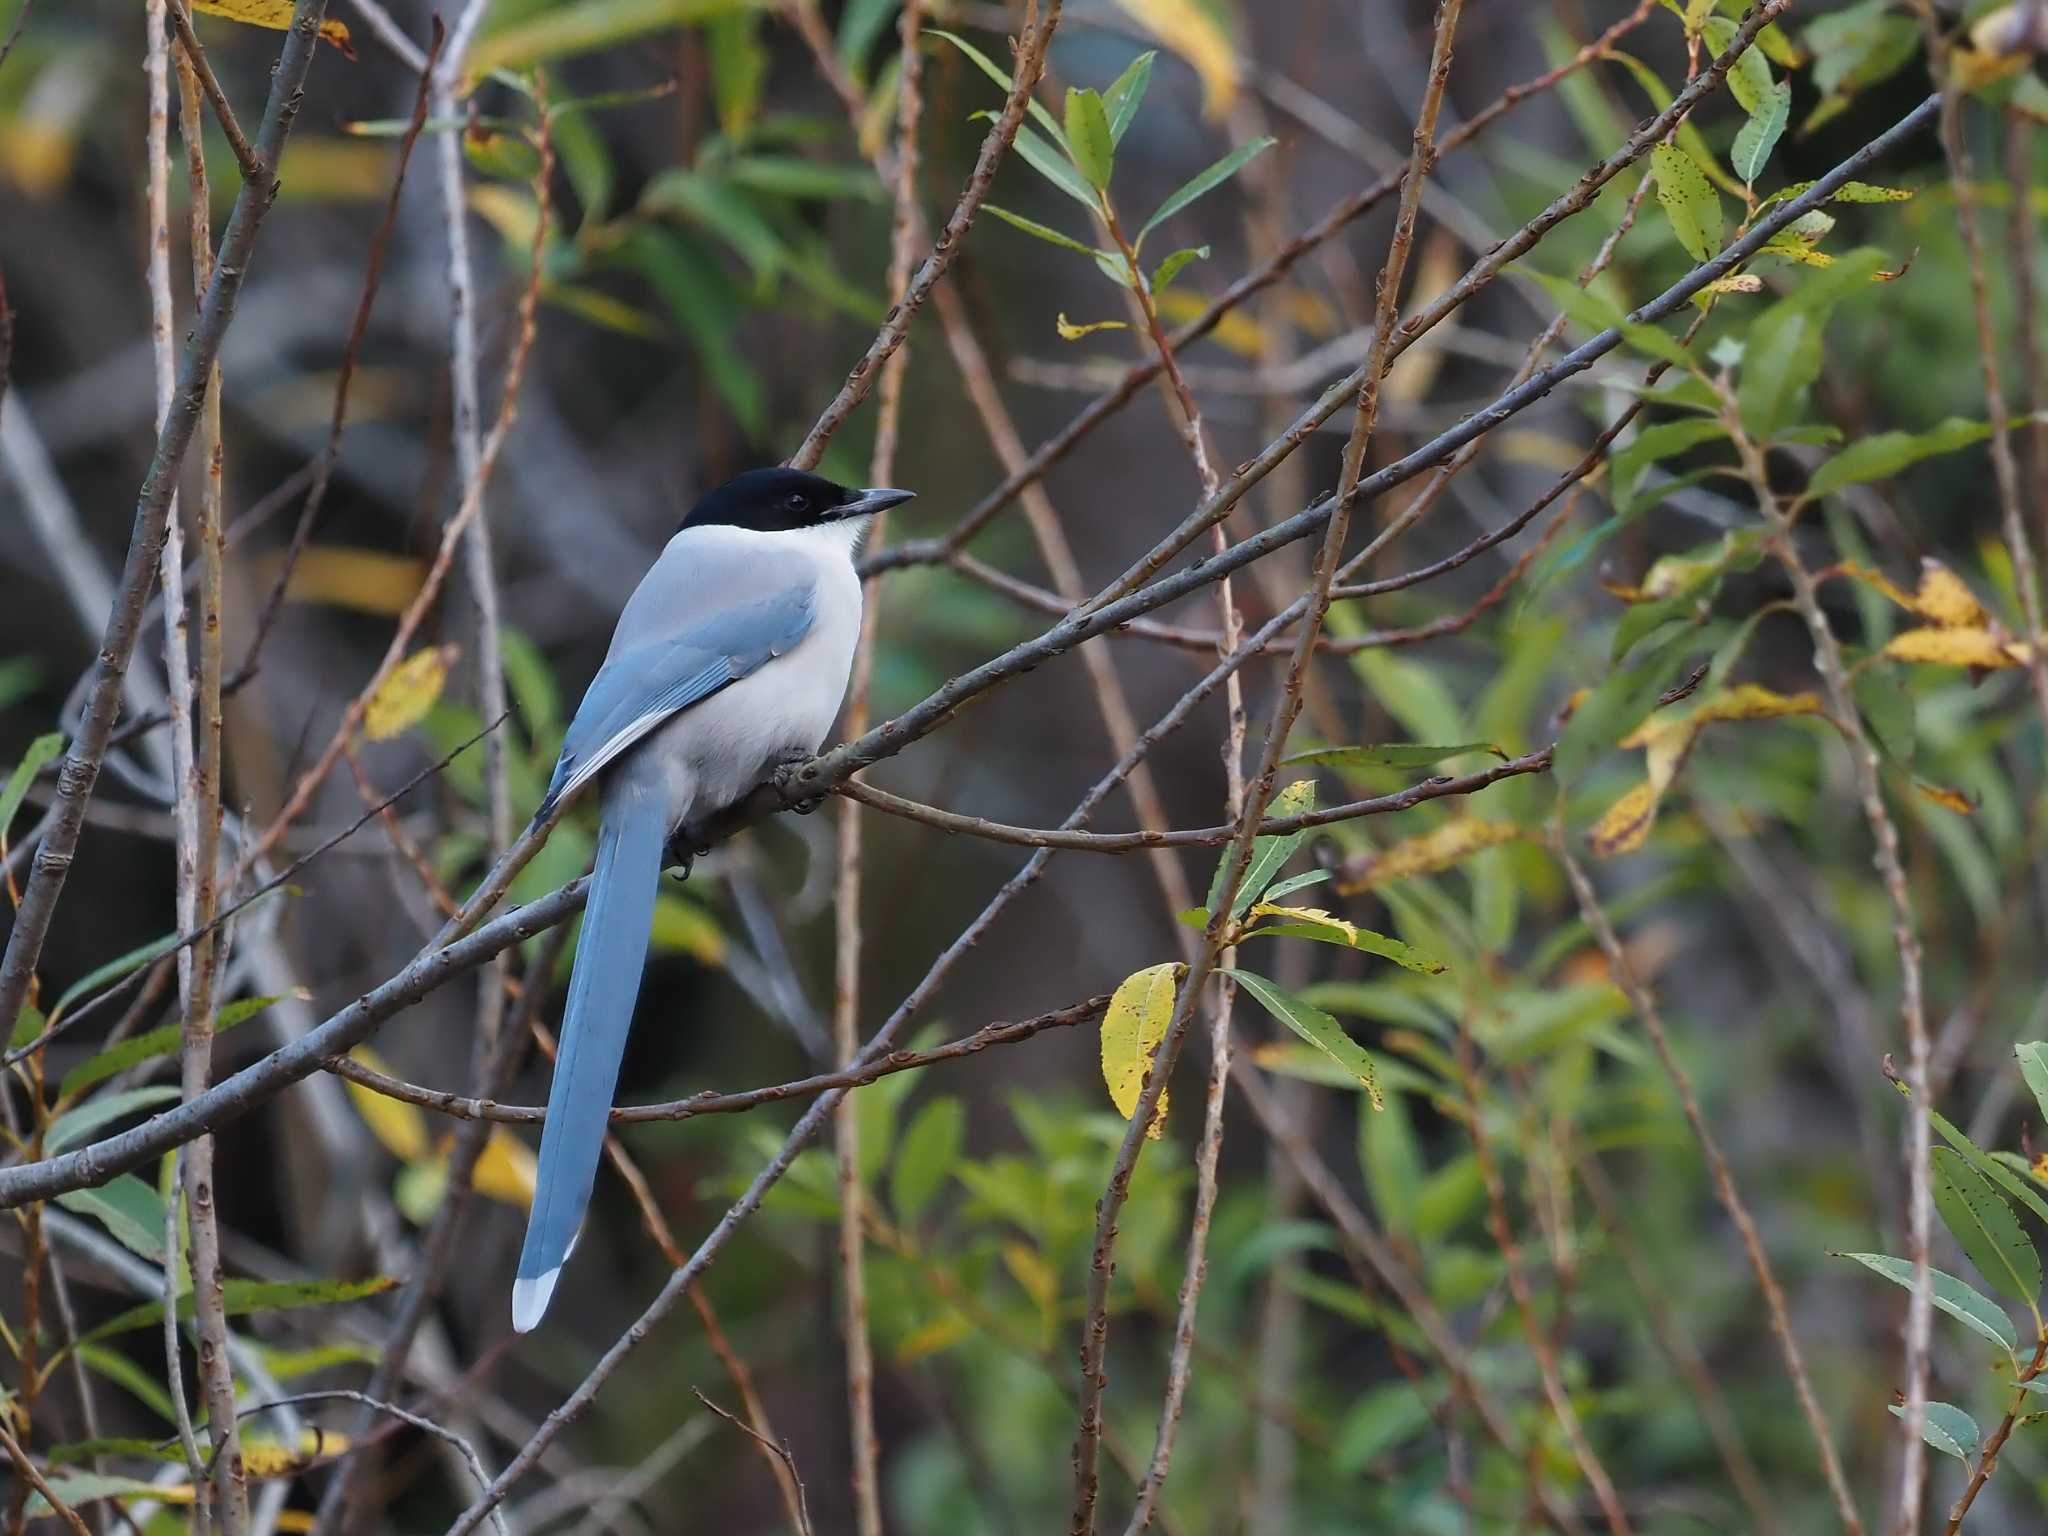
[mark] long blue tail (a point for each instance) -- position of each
(606, 983)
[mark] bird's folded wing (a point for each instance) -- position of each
(646, 684)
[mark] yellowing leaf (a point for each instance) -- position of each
(1425, 855)
(1235, 332)
(1314, 916)
(1191, 30)
(682, 924)
(269, 1458)
(1131, 1031)
(400, 1127)
(1944, 599)
(1753, 701)
(367, 580)
(1072, 332)
(404, 698)
(1030, 1270)
(506, 1170)
(935, 1337)
(276, 14)
(1952, 648)
(1948, 798)
(1741, 282)
(1625, 825)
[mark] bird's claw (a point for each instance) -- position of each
(682, 852)
(787, 766)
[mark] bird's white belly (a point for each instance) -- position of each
(717, 751)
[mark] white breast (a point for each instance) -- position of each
(717, 751)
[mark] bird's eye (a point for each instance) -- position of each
(797, 501)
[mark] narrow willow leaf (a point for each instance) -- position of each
(1391, 754)
(130, 1210)
(1985, 1228)
(1990, 1167)
(40, 751)
(1757, 137)
(2033, 1056)
(1318, 1028)
(114, 970)
(1960, 1300)
(162, 1041)
(1131, 1031)
(1883, 455)
(1749, 77)
(246, 1296)
(75, 1125)
(1326, 928)
(1596, 314)
(1293, 883)
(1947, 1428)
(276, 14)
(1781, 360)
(1689, 201)
(1126, 92)
(1888, 709)
(1054, 166)
(925, 1159)
(1207, 181)
(1039, 113)
(1088, 137)
(1269, 854)
(123, 1372)
(1043, 232)
(1170, 268)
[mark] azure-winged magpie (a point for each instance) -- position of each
(730, 658)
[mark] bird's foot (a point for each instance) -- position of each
(786, 781)
(684, 848)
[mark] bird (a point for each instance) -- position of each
(728, 664)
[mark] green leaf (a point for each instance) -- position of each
(1958, 1299)
(1990, 1167)
(1615, 708)
(1881, 456)
(926, 1158)
(1689, 201)
(75, 1125)
(1088, 137)
(1781, 360)
(1045, 232)
(559, 31)
(1391, 1159)
(247, 1296)
(1888, 709)
(1318, 1028)
(161, 1041)
(1597, 314)
(1309, 923)
(1749, 77)
(1269, 854)
(860, 25)
(1208, 181)
(114, 1445)
(2033, 1057)
(1054, 166)
(123, 1372)
(1170, 268)
(1652, 445)
(793, 176)
(1947, 1428)
(720, 209)
(1122, 99)
(40, 751)
(1757, 137)
(1391, 754)
(1985, 1228)
(130, 1210)
(997, 73)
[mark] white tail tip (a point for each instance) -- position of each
(530, 1300)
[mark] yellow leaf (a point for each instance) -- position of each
(1131, 1030)
(1032, 1272)
(1741, 282)
(268, 1458)
(1753, 701)
(319, 169)
(1314, 916)
(1952, 648)
(276, 14)
(1193, 32)
(399, 1126)
(367, 580)
(1944, 600)
(1425, 855)
(1625, 825)
(935, 1337)
(512, 213)
(1072, 332)
(1951, 799)
(506, 1169)
(1235, 332)
(1878, 581)
(682, 924)
(1799, 251)
(404, 698)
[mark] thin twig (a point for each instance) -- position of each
(87, 750)
(780, 1450)
(253, 169)
(33, 1477)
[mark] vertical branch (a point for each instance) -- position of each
(174, 1365)
(216, 1370)
(860, 1363)
(1645, 1005)
(1237, 857)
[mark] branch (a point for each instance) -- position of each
(253, 169)
(82, 763)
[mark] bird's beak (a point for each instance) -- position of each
(868, 502)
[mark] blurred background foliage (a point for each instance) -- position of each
(713, 261)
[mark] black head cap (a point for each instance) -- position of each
(781, 500)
